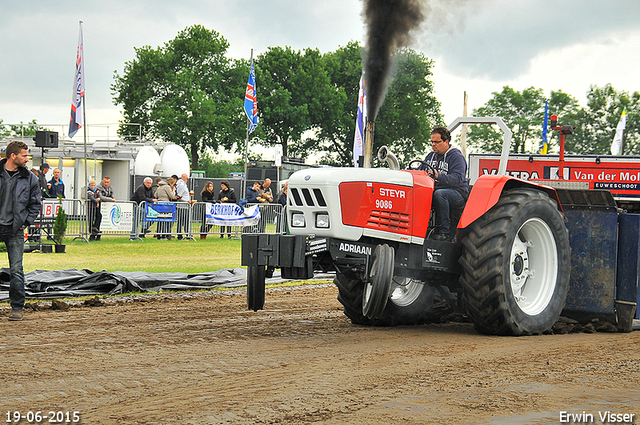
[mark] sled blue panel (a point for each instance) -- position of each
(593, 237)
(629, 259)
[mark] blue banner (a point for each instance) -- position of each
(251, 100)
(232, 215)
(161, 211)
(544, 145)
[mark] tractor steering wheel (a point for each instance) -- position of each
(418, 164)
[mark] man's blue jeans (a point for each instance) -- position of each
(15, 249)
(444, 200)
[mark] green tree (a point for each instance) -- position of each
(631, 140)
(4, 132)
(336, 133)
(569, 112)
(410, 109)
(219, 169)
(522, 112)
(25, 130)
(597, 125)
(404, 122)
(294, 95)
(186, 92)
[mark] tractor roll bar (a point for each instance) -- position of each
(506, 143)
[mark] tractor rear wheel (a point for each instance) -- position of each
(255, 287)
(516, 265)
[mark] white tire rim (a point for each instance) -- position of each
(533, 268)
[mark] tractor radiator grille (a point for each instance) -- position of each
(307, 197)
(388, 220)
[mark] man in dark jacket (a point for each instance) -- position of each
(19, 207)
(42, 180)
(56, 185)
(253, 193)
(143, 193)
(449, 170)
(105, 190)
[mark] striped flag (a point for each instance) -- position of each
(616, 146)
(251, 100)
(78, 90)
(358, 140)
(544, 146)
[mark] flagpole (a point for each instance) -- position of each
(84, 116)
(465, 128)
(246, 146)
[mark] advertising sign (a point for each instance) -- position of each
(116, 216)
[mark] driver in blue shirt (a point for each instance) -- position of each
(449, 170)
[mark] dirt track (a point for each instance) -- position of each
(205, 359)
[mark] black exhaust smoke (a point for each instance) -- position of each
(389, 23)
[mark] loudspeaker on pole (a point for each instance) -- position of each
(46, 139)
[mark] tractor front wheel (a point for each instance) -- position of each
(378, 288)
(385, 300)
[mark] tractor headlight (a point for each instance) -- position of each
(297, 220)
(322, 220)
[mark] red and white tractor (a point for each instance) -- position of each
(509, 268)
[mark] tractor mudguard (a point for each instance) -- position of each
(487, 191)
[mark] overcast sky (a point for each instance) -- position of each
(478, 45)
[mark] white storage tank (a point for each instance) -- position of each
(147, 160)
(174, 160)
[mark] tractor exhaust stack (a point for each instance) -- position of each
(368, 144)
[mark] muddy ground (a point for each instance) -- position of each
(204, 359)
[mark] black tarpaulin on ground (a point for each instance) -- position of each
(73, 282)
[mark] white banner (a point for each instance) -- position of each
(116, 216)
(232, 215)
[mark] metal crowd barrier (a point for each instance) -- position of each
(272, 219)
(124, 218)
(118, 217)
(42, 229)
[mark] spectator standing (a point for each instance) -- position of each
(253, 194)
(105, 190)
(94, 216)
(42, 179)
(282, 199)
(226, 195)
(56, 185)
(165, 193)
(143, 193)
(19, 207)
(207, 196)
(183, 208)
(265, 191)
(156, 185)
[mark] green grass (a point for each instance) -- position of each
(118, 253)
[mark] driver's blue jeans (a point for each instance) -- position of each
(15, 250)
(444, 200)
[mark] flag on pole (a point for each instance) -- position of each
(358, 140)
(251, 100)
(78, 90)
(544, 145)
(616, 146)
